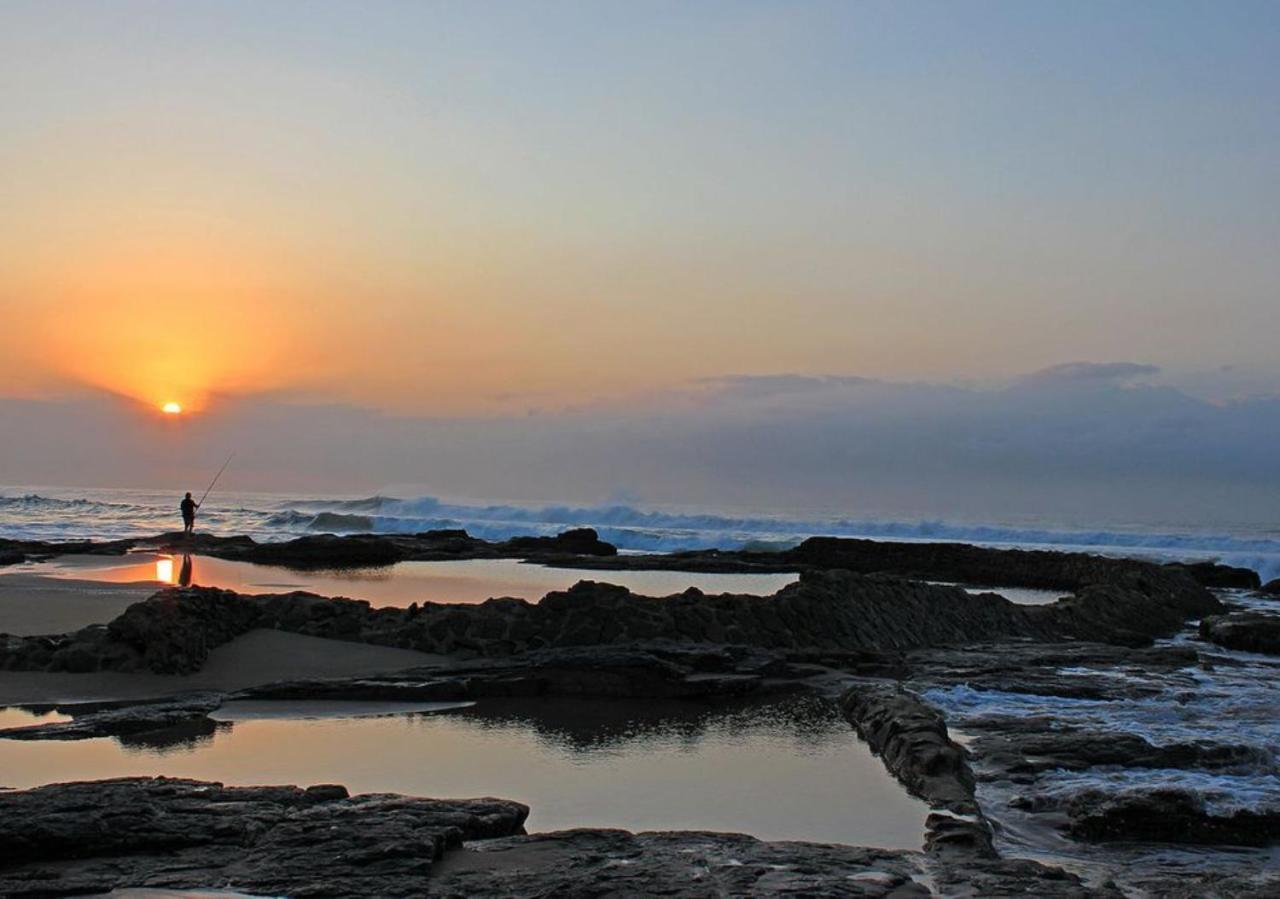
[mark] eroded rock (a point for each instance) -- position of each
(142, 832)
(1166, 816)
(1244, 631)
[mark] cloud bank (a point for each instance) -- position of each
(1081, 442)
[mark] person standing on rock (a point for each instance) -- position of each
(188, 506)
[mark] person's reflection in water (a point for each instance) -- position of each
(184, 576)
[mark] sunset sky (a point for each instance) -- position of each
(493, 210)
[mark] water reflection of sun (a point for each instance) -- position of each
(164, 570)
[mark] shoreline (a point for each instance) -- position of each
(860, 628)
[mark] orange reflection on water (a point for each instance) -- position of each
(164, 570)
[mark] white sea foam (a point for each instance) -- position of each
(1235, 701)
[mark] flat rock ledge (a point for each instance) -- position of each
(94, 837)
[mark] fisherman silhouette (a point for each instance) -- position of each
(188, 506)
(184, 576)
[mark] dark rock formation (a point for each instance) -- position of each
(582, 863)
(1043, 569)
(1270, 588)
(122, 719)
(1138, 606)
(1245, 631)
(1026, 747)
(825, 611)
(596, 863)
(173, 631)
(13, 552)
(1211, 574)
(318, 551)
(579, 541)
(370, 550)
(331, 551)
(911, 736)
(1166, 816)
(99, 836)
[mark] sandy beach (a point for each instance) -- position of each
(39, 604)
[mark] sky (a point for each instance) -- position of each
(511, 219)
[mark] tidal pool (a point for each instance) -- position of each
(788, 769)
(398, 585)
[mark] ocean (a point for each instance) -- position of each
(47, 513)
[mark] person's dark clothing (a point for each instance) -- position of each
(188, 510)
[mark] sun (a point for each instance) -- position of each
(171, 408)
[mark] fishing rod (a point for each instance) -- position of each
(215, 479)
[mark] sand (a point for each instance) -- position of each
(33, 603)
(40, 604)
(258, 657)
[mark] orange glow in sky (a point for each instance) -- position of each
(169, 321)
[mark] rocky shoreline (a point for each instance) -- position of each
(906, 661)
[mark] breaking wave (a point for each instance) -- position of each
(648, 530)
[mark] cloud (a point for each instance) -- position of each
(1093, 373)
(785, 443)
(755, 386)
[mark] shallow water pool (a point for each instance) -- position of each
(786, 769)
(462, 581)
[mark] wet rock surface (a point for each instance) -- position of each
(581, 863)
(138, 832)
(1249, 631)
(910, 736)
(1032, 751)
(1128, 760)
(1167, 816)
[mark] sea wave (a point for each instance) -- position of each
(648, 530)
(27, 514)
